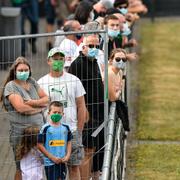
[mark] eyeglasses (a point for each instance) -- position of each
(117, 59)
(93, 46)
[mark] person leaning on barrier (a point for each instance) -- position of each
(86, 68)
(23, 99)
(117, 63)
(122, 6)
(115, 36)
(68, 89)
(113, 28)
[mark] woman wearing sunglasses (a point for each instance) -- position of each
(116, 65)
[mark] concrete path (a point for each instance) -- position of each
(39, 67)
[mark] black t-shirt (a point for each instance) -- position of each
(87, 70)
(115, 43)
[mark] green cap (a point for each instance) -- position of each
(55, 50)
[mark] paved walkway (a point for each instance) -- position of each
(39, 68)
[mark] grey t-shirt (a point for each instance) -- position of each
(17, 120)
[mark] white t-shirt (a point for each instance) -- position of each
(66, 89)
(59, 39)
(31, 166)
(69, 48)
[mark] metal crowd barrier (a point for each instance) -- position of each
(113, 166)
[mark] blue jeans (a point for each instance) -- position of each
(29, 10)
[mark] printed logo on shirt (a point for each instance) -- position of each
(56, 143)
(59, 92)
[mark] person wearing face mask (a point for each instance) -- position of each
(24, 100)
(122, 5)
(54, 141)
(117, 63)
(113, 27)
(86, 68)
(68, 89)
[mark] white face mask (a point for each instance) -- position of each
(119, 65)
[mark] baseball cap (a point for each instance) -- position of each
(55, 50)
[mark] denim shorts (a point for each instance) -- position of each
(77, 153)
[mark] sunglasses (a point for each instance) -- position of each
(93, 46)
(119, 59)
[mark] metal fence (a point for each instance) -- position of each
(10, 48)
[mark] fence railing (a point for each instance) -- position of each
(113, 166)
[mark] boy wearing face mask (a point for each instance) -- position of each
(54, 141)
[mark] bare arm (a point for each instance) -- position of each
(113, 93)
(42, 102)
(82, 112)
(18, 103)
(48, 155)
(68, 154)
(131, 56)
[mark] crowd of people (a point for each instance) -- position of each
(53, 119)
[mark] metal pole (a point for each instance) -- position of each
(105, 82)
(108, 148)
(49, 34)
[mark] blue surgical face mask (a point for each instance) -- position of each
(23, 76)
(126, 29)
(112, 33)
(123, 10)
(92, 52)
(120, 64)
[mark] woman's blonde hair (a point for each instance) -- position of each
(12, 72)
(29, 140)
(113, 53)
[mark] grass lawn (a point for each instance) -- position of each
(155, 162)
(159, 81)
(158, 116)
